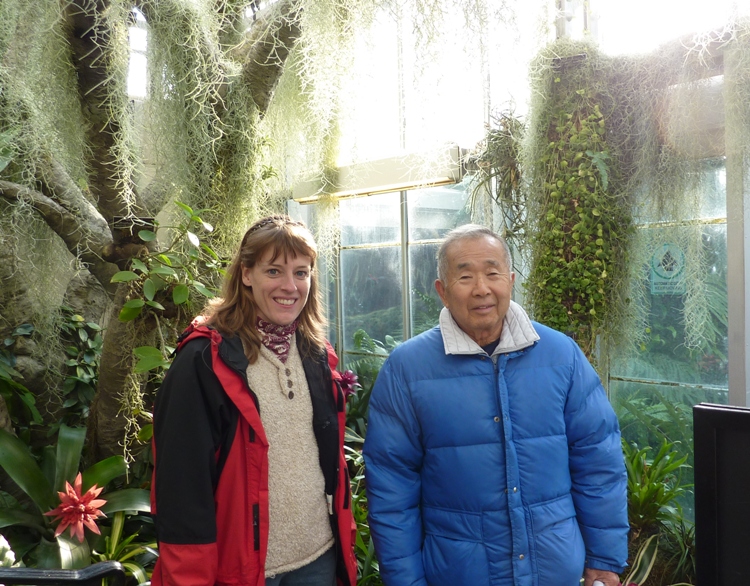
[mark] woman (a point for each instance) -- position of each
(250, 486)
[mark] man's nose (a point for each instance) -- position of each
(480, 286)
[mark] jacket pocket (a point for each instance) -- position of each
(559, 553)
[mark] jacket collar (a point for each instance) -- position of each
(518, 333)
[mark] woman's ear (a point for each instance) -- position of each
(247, 277)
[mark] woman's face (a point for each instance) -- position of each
(280, 286)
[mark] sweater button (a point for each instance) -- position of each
(497, 420)
(520, 557)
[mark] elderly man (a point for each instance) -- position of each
(493, 456)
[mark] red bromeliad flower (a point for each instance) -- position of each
(349, 383)
(77, 510)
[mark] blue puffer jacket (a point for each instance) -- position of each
(503, 470)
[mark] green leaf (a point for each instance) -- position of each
(123, 277)
(202, 289)
(155, 305)
(69, 447)
(146, 235)
(128, 499)
(129, 313)
(180, 294)
(149, 289)
(137, 571)
(185, 208)
(150, 358)
(10, 517)
(23, 330)
(73, 554)
(146, 433)
(104, 471)
(134, 303)
(16, 460)
(162, 270)
(139, 265)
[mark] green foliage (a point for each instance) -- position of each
(163, 282)
(371, 356)
(42, 483)
(678, 550)
(501, 174)
(582, 229)
(84, 350)
(20, 402)
(364, 549)
(644, 561)
(654, 484)
(130, 550)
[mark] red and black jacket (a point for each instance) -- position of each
(209, 494)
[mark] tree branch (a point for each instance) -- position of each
(84, 231)
(266, 48)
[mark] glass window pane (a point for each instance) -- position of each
(372, 293)
(649, 414)
(375, 219)
(425, 302)
(686, 329)
(434, 212)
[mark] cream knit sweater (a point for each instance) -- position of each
(299, 527)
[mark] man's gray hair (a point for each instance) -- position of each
(467, 232)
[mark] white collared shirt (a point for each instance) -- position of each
(518, 332)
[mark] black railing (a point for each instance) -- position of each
(89, 576)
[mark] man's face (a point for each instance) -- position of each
(477, 287)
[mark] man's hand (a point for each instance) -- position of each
(607, 578)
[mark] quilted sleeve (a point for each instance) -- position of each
(393, 459)
(597, 468)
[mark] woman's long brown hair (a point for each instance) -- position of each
(236, 312)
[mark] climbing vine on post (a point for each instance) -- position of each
(582, 226)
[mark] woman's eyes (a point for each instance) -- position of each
(302, 274)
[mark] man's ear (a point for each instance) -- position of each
(440, 288)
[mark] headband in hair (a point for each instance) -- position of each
(268, 221)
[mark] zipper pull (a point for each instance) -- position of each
(329, 500)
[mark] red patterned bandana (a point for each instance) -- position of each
(277, 338)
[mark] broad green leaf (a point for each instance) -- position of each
(9, 517)
(146, 433)
(186, 209)
(165, 259)
(69, 446)
(16, 460)
(146, 364)
(147, 352)
(128, 499)
(137, 571)
(129, 313)
(47, 555)
(103, 472)
(168, 271)
(149, 289)
(134, 303)
(180, 294)
(202, 289)
(146, 235)
(123, 277)
(30, 401)
(23, 330)
(139, 265)
(155, 305)
(73, 554)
